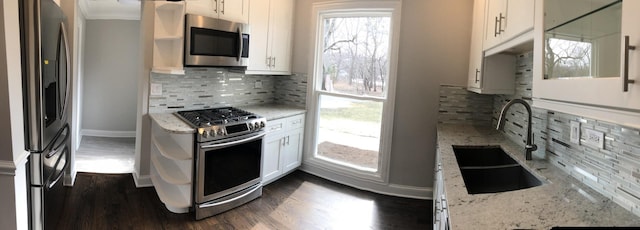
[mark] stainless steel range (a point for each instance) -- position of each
(228, 158)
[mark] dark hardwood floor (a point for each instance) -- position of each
(297, 201)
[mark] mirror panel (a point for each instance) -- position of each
(582, 38)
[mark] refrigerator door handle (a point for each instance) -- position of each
(64, 41)
(61, 140)
(64, 163)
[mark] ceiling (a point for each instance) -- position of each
(110, 9)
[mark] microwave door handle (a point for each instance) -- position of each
(240, 46)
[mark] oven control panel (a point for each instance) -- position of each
(217, 132)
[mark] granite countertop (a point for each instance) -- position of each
(560, 201)
(274, 111)
(171, 123)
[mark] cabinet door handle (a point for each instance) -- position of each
(222, 11)
(274, 62)
(495, 28)
(215, 3)
(477, 72)
(500, 30)
(625, 80)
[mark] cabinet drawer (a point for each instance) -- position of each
(275, 125)
(295, 122)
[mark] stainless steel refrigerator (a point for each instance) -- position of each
(46, 81)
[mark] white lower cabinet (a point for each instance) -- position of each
(440, 207)
(283, 147)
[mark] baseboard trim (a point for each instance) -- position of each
(141, 181)
(423, 193)
(9, 168)
(70, 180)
(106, 133)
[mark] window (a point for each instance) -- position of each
(353, 86)
(568, 58)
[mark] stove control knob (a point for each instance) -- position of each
(251, 126)
(262, 124)
(220, 132)
(205, 134)
(257, 125)
(212, 133)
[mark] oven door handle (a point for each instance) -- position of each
(206, 205)
(222, 145)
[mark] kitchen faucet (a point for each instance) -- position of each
(530, 146)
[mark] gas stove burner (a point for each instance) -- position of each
(224, 122)
(215, 116)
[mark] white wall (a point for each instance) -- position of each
(73, 25)
(13, 199)
(434, 50)
(110, 75)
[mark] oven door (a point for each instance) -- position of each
(228, 166)
(211, 42)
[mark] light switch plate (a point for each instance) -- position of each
(258, 85)
(156, 89)
(575, 132)
(594, 138)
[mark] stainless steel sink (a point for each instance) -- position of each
(488, 169)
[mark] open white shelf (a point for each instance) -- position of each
(173, 172)
(169, 20)
(170, 148)
(177, 198)
(168, 53)
(168, 70)
(168, 38)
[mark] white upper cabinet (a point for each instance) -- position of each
(494, 74)
(581, 63)
(475, 53)
(230, 10)
(270, 41)
(507, 20)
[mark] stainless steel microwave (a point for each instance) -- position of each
(212, 42)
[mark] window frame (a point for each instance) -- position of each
(323, 10)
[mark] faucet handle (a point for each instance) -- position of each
(532, 147)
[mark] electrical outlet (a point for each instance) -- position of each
(575, 132)
(594, 138)
(258, 85)
(156, 89)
